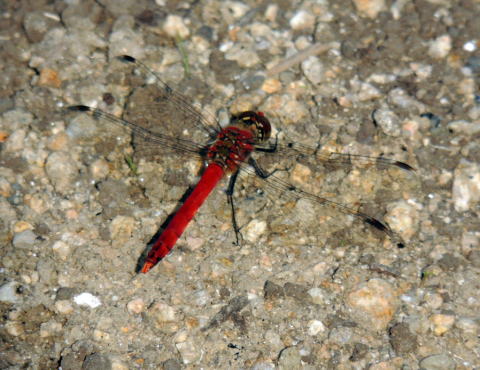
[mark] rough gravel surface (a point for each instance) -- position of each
(308, 287)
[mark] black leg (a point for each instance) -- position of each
(230, 190)
(260, 171)
(271, 149)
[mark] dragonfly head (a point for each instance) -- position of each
(257, 123)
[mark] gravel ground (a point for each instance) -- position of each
(307, 288)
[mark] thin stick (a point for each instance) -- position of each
(314, 49)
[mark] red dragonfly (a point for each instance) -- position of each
(228, 152)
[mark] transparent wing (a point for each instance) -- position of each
(314, 155)
(160, 119)
(155, 139)
(160, 109)
(330, 182)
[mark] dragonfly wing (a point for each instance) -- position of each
(142, 133)
(156, 104)
(298, 181)
(318, 156)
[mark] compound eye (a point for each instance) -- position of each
(258, 122)
(263, 126)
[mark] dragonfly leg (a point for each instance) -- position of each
(230, 190)
(271, 149)
(260, 172)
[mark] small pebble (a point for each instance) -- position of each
(97, 360)
(464, 127)
(162, 312)
(317, 295)
(99, 169)
(373, 303)
(236, 9)
(254, 230)
(136, 306)
(400, 98)
(58, 141)
(341, 335)
(201, 297)
(14, 328)
(24, 240)
(403, 341)
(82, 127)
(245, 57)
(442, 323)
(87, 299)
(175, 27)
(16, 119)
(271, 85)
(62, 249)
(288, 110)
(313, 70)
(437, 362)
(364, 91)
(468, 325)
(16, 141)
(101, 336)
(403, 217)
(466, 185)
(290, 358)
(49, 78)
(64, 307)
(315, 327)
(125, 40)
(121, 228)
(440, 47)
(9, 292)
(273, 339)
(36, 202)
(302, 20)
(433, 300)
(189, 351)
(49, 329)
(62, 170)
(5, 188)
(369, 8)
(388, 121)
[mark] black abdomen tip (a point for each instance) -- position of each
(79, 108)
(127, 58)
(404, 166)
(375, 223)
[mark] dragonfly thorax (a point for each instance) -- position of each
(235, 143)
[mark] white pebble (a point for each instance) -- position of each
(163, 312)
(175, 27)
(87, 299)
(315, 327)
(135, 306)
(470, 46)
(313, 70)
(14, 328)
(189, 351)
(8, 293)
(254, 230)
(403, 218)
(302, 20)
(62, 249)
(466, 186)
(440, 47)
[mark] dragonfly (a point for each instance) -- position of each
(227, 151)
